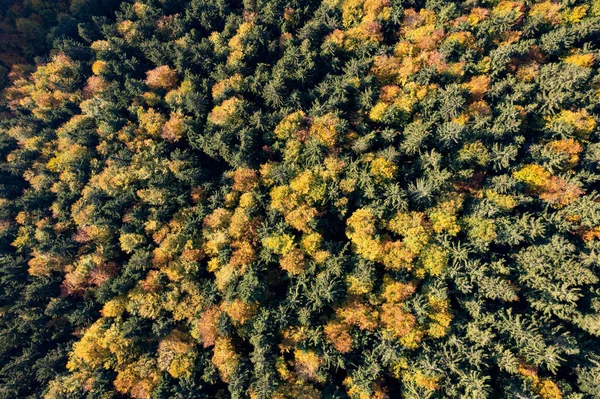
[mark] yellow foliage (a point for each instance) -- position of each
(173, 129)
(281, 244)
(99, 67)
(114, 307)
(413, 93)
(505, 7)
(474, 152)
(333, 168)
(225, 358)
(347, 185)
(153, 196)
(291, 337)
(352, 12)
(176, 354)
(548, 389)
(49, 82)
(361, 223)
(289, 125)
(478, 86)
(389, 69)
(413, 338)
(227, 112)
(138, 379)
(236, 43)
(582, 123)
(232, 83)
(151, 121)
(307, 363)
(41, 264)
(310, 243)
(361, 35)
(420, 29)
(266, 173)
(582, 60)
(575, 14)
(144, 304)
(544, 387)
(128, 30)
(535, 177)
(395, 291)
(357, 286)
(71, 156)
(175, 97)
(378, 111)
(467, 40)
(548, 11)
(455, 69)
(98, 345)
(100, 45)
(383, 170)
(502, 201)
(325, 128)
(481, 229)
(225, 275)
(243, 255)
(130, 241)
(309, 186)
(569, 148)
(336, 38)
(321, 256)
(361, 230)
(140, 9)
(413, 228)
(220, 218)
(440, 317)
(247, 200)
(428, 382)
(294, 387)
(397, 255)
(477, 15)
(359, 392)
(300, 218)
(293, 149)
(434, 260)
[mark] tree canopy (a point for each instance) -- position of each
(352, 199)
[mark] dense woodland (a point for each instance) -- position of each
(350, 199)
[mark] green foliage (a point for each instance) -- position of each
(279, 199)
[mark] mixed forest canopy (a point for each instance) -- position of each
(350, 199)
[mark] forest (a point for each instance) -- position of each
(272, 199)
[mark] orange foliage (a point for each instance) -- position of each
(569, 148)
(172, 130)
(245, 180)
(339, 336)
(396, 319)
(239, 311)
(293, 262)
(358, 313)
(162, 77)
(207, 326)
